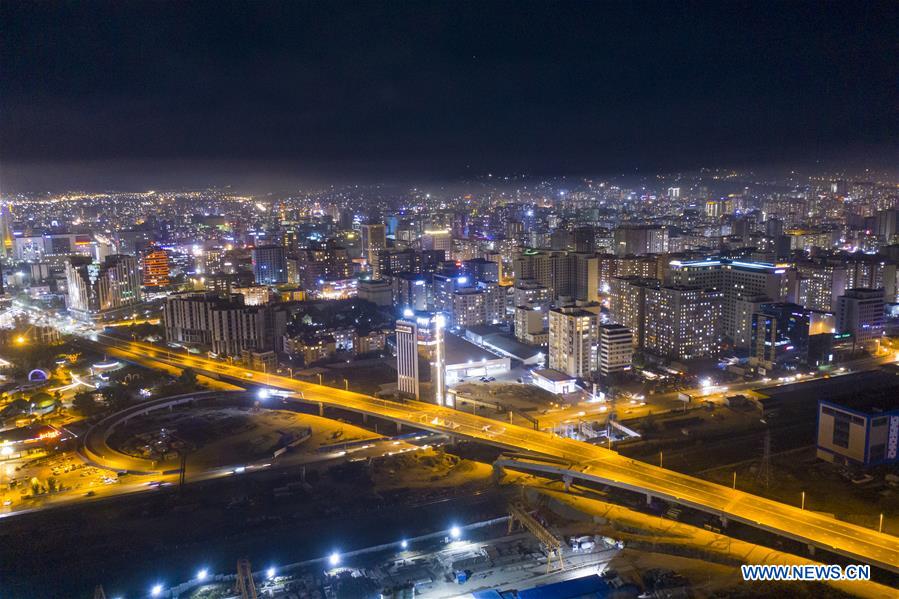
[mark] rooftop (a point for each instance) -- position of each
(552, 375)
(459, 351)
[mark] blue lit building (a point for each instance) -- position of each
(270, 265)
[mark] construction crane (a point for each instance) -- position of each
(245, 585)
(552, 545)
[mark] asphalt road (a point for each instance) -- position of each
(587, 460)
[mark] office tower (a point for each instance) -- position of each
(683, 323)
(156, 267)
(407, 380)
(572, 341)
(616, 349)
(737, 280)
(99, 290)
(224, 325)
(427, 331)
(270, 265)
(374, 240)
(649, 239)
(860, 312)
(784, 332)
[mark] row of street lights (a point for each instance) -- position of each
(334, 560)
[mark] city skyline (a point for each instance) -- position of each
(449, 300)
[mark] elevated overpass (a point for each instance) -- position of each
(580, 460)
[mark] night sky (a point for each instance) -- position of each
(426, 89)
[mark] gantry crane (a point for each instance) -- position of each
(245, 585)
(552, 545)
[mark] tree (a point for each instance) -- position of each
(188, 379)
(116, 396)
(85, 403)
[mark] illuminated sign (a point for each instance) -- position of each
(893, 439)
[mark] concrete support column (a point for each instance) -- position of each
(648, 498)
(567, 479)
(364, 418)
(811, 550)
(723, 521)
(321, 409)
(399, 427)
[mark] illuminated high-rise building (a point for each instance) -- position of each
(616, 349)
(6, 233)
(572, 341)
(97, 290)
(374, 240)
(156, 267)
(421, 335)
(270, 265)
(860, 312)
(740, 282)
(407, 357)
(683, 323)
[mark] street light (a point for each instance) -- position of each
(404, 544)
(346, 384)
(156, 591)
(455, 532)
(270, 573)
(334, 559)
(803, 500)
(202, 574)
(880, 526)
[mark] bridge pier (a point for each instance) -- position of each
(321, 409)
(648, 498)
(811, 550)
(364, 418)
(567, 479)
(723, 520)
(399, 427)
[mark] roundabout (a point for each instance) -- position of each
(214, 428)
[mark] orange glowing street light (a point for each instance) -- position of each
(20, 340)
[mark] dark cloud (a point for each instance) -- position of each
(444, 87)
